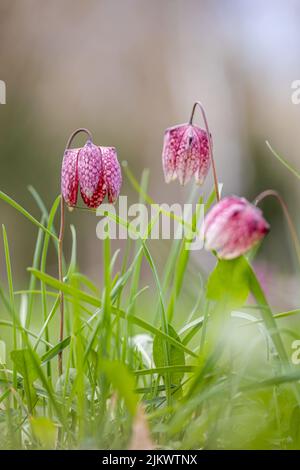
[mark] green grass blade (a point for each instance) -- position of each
(25, 213)
(283, 161)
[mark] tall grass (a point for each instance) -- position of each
(207, 366)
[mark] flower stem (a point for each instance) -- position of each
(77, 131)
(60, 251)
(292, 228)
(60, 277)
(210, 146)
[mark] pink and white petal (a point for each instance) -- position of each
(187, 154)
(96, 199)
(111, 173)
(219, 234)
(220, 207)
(237, 244)
(187, 159)
(205, 157)
(172, 142)
(90, 170)
(240, 243)
(192, 156)
(69, 177)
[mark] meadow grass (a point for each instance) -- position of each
(189, 356)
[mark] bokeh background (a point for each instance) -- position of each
(127, 69)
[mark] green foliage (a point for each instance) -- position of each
(197, 393)
(229, 282)
(25, 364)
(176, 357)
(283, 161)
(122, 382)
(45, 431)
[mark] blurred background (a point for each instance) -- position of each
(127, 69)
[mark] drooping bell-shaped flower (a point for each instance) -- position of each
(95, 170)
(233, 226)
(187, 151)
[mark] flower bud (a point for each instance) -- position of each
(233, 226)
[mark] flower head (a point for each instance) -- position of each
(233, 226)
(186, 153)
(95, 170)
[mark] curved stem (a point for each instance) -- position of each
(292, 228)
(60, 251)
(197, 103)
(77, 131)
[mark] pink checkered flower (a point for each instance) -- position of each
(95, 170)
(233, 226)
(185, 153)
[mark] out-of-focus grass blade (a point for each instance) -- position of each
(81, 278)
(288, 313)
(35, 264)
(53, 352)
(66, 288)
(293, 376)
(267, 315)
(11, 297)
(283, 161)
(25, 213)
(163, 370)
(9, 324)
(73, 259)
(43, 268)
(71, 291)
(45, 325)
(193, 327)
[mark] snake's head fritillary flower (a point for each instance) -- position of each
(95, 170)
(186, 153)
(233, 226)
